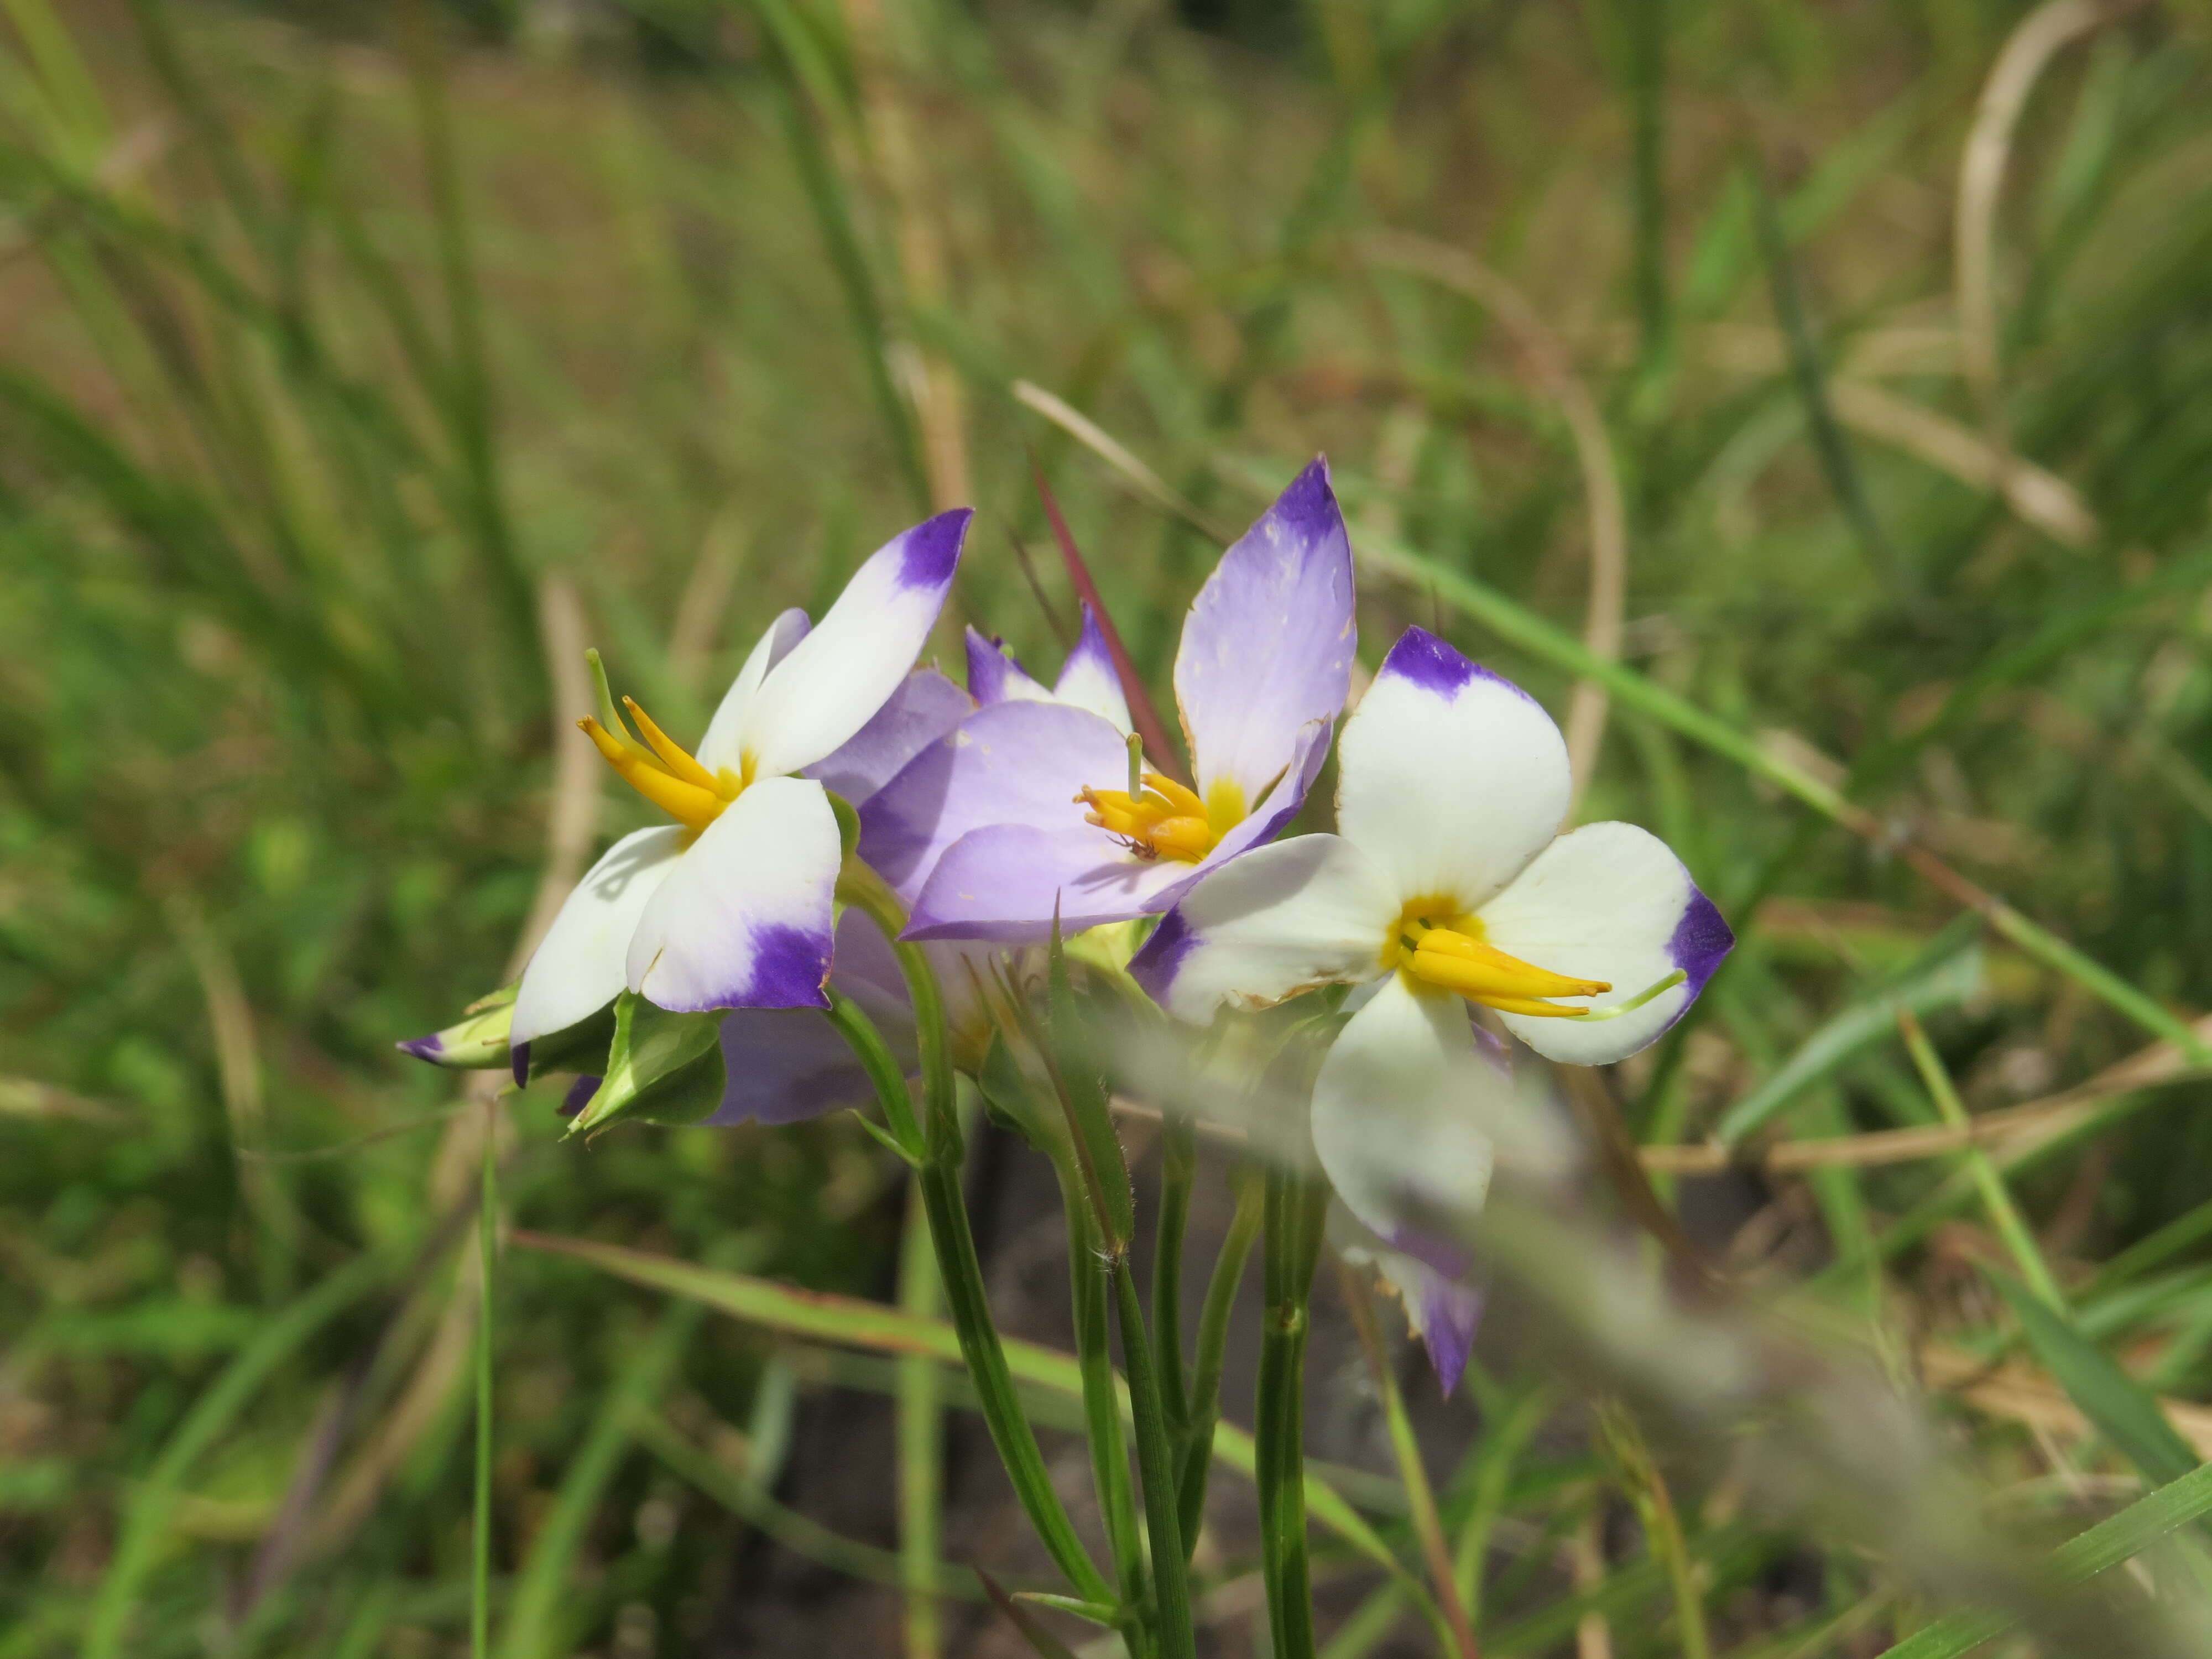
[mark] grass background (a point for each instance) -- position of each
(356, 361)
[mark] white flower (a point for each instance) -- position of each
(729, 907)
(1447, 884)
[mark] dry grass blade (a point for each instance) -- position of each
(2038, 37)
(2040, 498)
(1550, 372)
(2036, 1120)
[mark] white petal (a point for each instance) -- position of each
(1608, 902)
(1399, 1110)
(577, 969)
(1448, 777)
(1278, 921)
(837, 677)
(718, 748)
(744, 921)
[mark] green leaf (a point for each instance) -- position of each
(1942, 984)
(2118, 1538)
(824, 1316)
(2124, 1412)
(663, 1067)
(1040, 1641)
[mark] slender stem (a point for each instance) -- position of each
(920, 1417)
(1155, 1464)
(1101, 1404)
(1663, 1527)
(1294, 1206)
(1420, 1496)
(966, 1300)
(887, 1076)
(1205, 1397)
(1996, 1197)
(488, 1255)
(1178, 1172)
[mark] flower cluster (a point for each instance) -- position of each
(1003, 812)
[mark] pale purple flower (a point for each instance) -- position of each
(1025, 812)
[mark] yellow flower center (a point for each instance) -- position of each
(1439, 947)
(1163, 819)
(665, 773)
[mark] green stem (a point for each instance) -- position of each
(1155, 1464)
(1205, 1399)
(967, 1302)
(487, 1249)
(1996, 1197)
(920, 1429)
(1294, 1207)
(1102, 1409)
(1420, 1496)
(1178, 1170)
(885, 1074)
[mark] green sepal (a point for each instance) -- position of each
(583, 1049)
(1008, 1100)
(662, 1067)
(475, 1042)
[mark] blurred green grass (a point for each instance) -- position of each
(330, 342)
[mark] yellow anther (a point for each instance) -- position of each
(1165, 821)
(673, 755)
(1185, 838)
(1453, 959)
(1185, 801)
(687, 803)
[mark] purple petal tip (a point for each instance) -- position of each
(423, 1047)
(1436, 666)
(933, 549)
(1449, 1316)
(1309, 505)
(520, 1056)
(579, 1096)
(1702, 938)
(1160, 957)
(790, 966)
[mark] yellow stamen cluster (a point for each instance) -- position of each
(665, 773)
(1165, 819)
(1456, 959)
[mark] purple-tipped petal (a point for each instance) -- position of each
(579, 1096)
(1268, 648)
(1450, 777)
(996, 675)
(1608, 902)
(423, 1047)
(1445, 1312)
(834, 680)
(743, 920)
(1088, 679)
(1013, 762)
(926, 706)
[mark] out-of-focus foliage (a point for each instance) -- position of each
(334, 343)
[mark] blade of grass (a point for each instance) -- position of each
(2119, 1538)
(532, 1627)
(145, 1518)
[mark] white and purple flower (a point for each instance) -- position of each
(1447, 884)
(729, 907)
(1021, 812)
